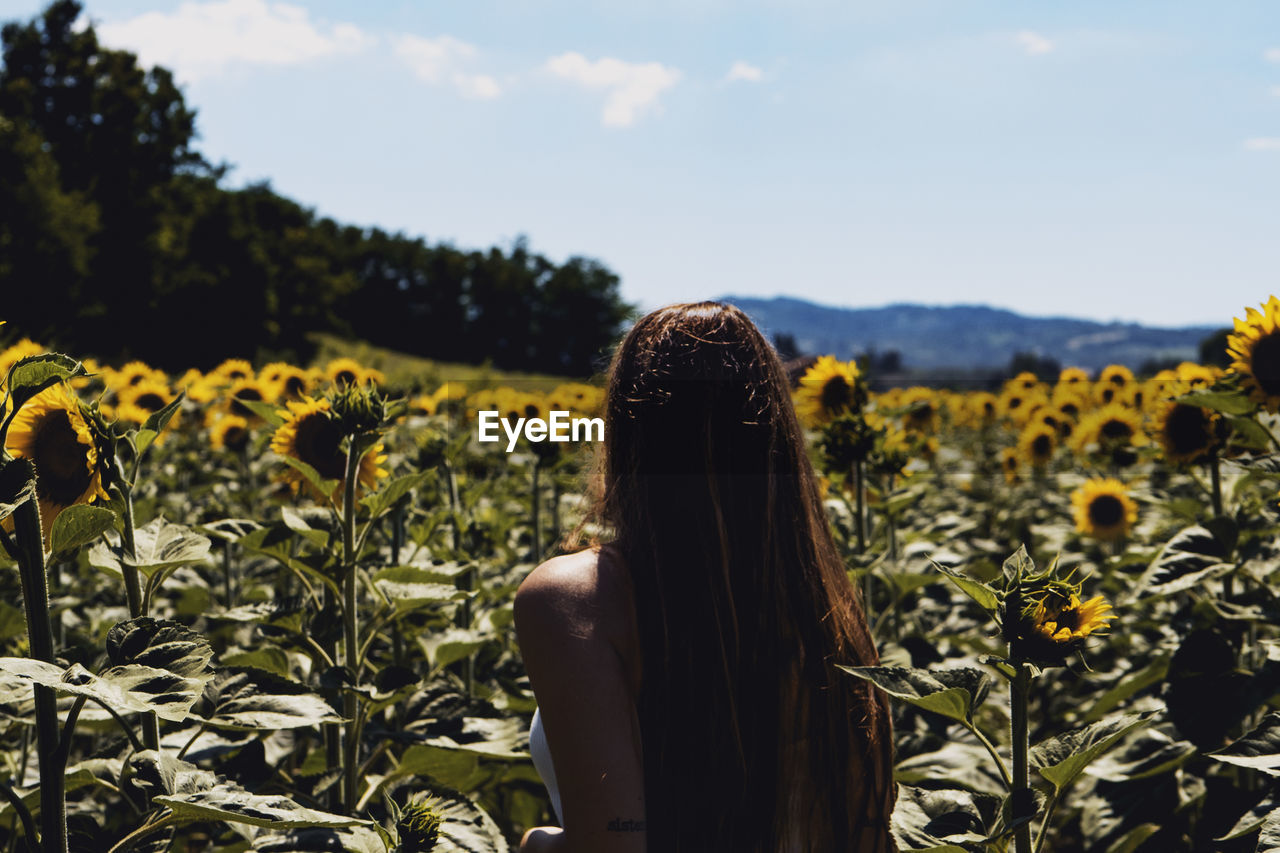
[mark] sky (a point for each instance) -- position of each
(1087, 159)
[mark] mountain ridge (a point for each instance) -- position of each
(968, 336)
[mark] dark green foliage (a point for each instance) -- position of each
(123, 243)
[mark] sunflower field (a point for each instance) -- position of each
(269, 607)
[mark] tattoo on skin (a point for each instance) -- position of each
(620, 825)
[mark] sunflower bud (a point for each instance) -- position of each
(358, 409)
(846, 440)
(1044, 620)
(419, 827)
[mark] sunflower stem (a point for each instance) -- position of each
(350, 627)
(860, 515)
(35, 599)
(1022, 800)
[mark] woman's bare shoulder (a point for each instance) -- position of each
(586, 586)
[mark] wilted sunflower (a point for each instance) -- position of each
(1037, 443)
(52, 431)
(1103, 509)
(829, 388)
(229, 432)
(1255, 350)
(311, 434)
(1186, 433)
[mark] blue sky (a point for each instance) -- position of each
(1095, 159)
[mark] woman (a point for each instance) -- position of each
(685, 673)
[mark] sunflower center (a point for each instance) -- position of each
(1042, 446)
(239, 407)
(835, 394)
(1106, 511)
(1115, 429)
(318, 443)
(295, 386)
(344, 377)
(62, 462)
(236, 438)
(1187, 429)
(151, 401)
(1264, 363)
(1069, 619)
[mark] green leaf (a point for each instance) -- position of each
(31, 375)
(257, 701)
(125, 689)
(1259, 749)
(1269, 837)
(1127, 685)
(158, 420)
(953, 693)
(1018, 565)
(229, 802)
(1254, 818)
(452, 645)
(1219, 401)
(159, 546)
(355, 839)
(467, 828)
(277, 542)
(941, 820)
(272, 659)
(412, 587)
(386, 497)
(269, 412)
(977, 590)
(79, 525)
(312, 476)
(159, 643)
(17, 485)
(1193, 556)
(1062, 758)
(295, 522)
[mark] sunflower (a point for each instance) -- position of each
(1186, 433)
(981, 408)
(233, 370)
(829, 388)
(1024, 381)
(423, 404)
(229, 432)
(921, 413)
(1009, 462)
(1103, 509)
(311, 434)
(1015, 404)
(52, 431)
(1255, 350)
(1067, 621)
(1044, 619)
(292, 383)
(1037, 443)
(344, 371)
(1115, 374)
(1109, 428)
(133, 373)
(1073, 377)
(252, 390)
(138, 402)
(24, 348)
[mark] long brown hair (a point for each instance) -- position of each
(753, 741)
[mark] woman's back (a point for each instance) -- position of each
(729, 608)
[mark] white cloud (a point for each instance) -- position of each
(1263, 143)
(440, 61)
(1033, 44)
(1272, 55)
(205, 39)
(632, 87)
(744, 71)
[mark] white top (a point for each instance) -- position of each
(542, 763)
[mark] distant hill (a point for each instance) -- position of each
(966, 337)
